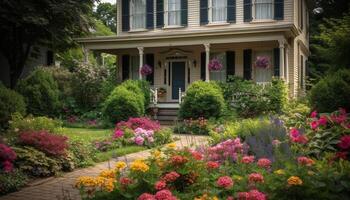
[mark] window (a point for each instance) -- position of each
(263, 75)
(218, 10)
(263, 9)
(174, 12)
(134, 67)
(219, 75)
(138, 14)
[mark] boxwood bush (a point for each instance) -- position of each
(332, 92)
(202, 99)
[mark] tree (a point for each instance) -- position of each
(31, 23)
(107, 13)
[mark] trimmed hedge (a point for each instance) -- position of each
(202, 99)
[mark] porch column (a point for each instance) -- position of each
(141, 61)
(207, 55)
(281, 46)
(287, 64)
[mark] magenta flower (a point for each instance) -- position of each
(323, 120)
(146, 70)
(262, 62)
(314, 124)
(215, 65)
(264, 163)
(294, 132)
(344, 142)
(225, 182)
(139, 140)
(313, 114)
(118, 134)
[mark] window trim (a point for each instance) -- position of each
(210, 15)
(131, 16)
(166, 17)
(254, 20)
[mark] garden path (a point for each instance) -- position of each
(61, 188)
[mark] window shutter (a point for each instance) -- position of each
(247, 10)
(125, 67)
(231, 11)
(150, 62)
(247, 64)
(184, 12)
(160, 13)
(125, 15)
(150, 14)
(276, 60)
(203, 66)
(230, 64)
(204, 12)
(279, 9)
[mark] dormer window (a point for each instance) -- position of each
(263, 9)
(218, 11)
(137, 14)
(174, 13)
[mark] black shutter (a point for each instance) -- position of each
(247, 10)
(160, 13)
(150, 14)
(230, 64)
(279, 9)
(203, 61)
(125, 67)
(184, 12)
(204, 12)
(247, 64)
(276, 60)
(231, 11)
(125, 15)
(150, 62)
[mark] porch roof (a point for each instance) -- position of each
(193, 37)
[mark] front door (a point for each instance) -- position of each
(178, 70)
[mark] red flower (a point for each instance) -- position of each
(213, 165)
(264, 163)
(196, 155)
(178, 160)
(243, 195)
(305, 161)
(323, 120)
(7, 166)
(301, 139)
(171, 177)
(344, 142)
(255, 178)
(341, 155)
(225, 182)
(160, 185)
(146, 196)
(248, 159)
(230, 198)
(125, 181)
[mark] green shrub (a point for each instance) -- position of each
(163, 136)
(332, 92)
(19, 124)
(10, 102)
(202, 100)
(83, 153)
(35, 163)
(40, 92)
(134, 87)
(277, 94)
(199, 126)
(11, 182)
(64, 79)
(123, 104)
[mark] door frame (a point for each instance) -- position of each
(170, 78)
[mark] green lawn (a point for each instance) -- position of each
(90, 135)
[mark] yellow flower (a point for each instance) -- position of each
(109, 184)
(171, 145)
(294, 180)
(206, 197)
(119, 166)
(279, 172)
(109, 173)
(139, 165)
(99, 181)
(156, 154)
(85, 181)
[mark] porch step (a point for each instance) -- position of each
(168, 112)
(167, 116)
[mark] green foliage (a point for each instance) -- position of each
(19, 123)
(101, 29)
(106, 13)
(11, 182)
(35, 163)
(40, 92)
(277, 94)
(295, 113)
(332, 92)
(64, 79)
(202, 100)
(199, 126)
(163, 136)
(10, 102)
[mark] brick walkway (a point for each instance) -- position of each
(61, 188)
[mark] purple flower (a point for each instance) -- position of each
(146, 70)
(139, 140)
(262, 62)
(215, 65)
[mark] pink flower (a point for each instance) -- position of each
(171, 176)
(305, 161)
(118, 133)
(230, 198)
(125, 181)
(248, 159)
(256, 195)
(139, 140)
(197, 155)
(146, 196)
(225, 182)
(164, 195)
(339, 118)
(262, 62)
(215, 65)
(314, 114)
(7, 166)
(255, 178)
(301, 139)
(243, 195)
(160, 185)
(264, 163)
(323, 120)
(146, 70)
(276, 143)
(294, 132)
(344, 142)
(314, 124)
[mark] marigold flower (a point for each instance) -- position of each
(225, 182)
(248, 159)
(171, 145)
(159, 185)
(109, 173)
(156, 154)
(139, 165)
(302, 160)
(120, 165)
(109, 184)
(255, 178)
(85, 181)
(264, 163)
(294, 180)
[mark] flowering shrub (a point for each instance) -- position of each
(7, 156)
(198, 126)
(215, 65)
(50, 144)
(146, 70)
(227, 150)
(262, 62)
(139, 122)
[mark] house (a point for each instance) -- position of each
(179, 38)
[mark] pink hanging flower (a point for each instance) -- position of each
(264, 163)
(262, 62)
(215, 65)
(146, 70)
(247, 159)
(344, 142)
(225, 182)
(314, 114)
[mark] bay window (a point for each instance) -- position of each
(137, 14)
(218, 10)
(263, 9)
(174, 13)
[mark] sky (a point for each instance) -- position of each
(108, 1)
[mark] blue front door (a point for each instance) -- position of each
(178, 78)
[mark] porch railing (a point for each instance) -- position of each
(181, 95)
(154, 95)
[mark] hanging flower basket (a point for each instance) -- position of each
(146, 70)
(262, 62)
(215, 65)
